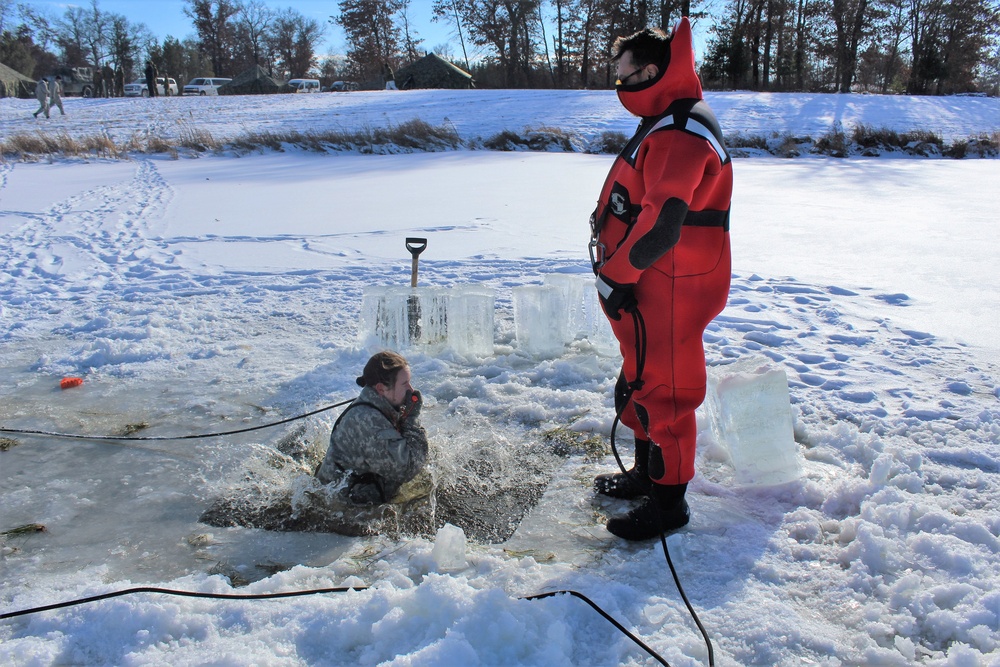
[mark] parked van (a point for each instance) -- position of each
(304, 85)
(204, 85)
(138, 87)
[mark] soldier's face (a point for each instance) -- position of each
(630, 74)
(396, 394)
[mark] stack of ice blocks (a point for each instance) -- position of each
(458, 318)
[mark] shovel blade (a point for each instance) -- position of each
(413, 317)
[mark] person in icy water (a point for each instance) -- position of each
(377, 445)
(660, 248)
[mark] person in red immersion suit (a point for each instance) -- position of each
(660, 248)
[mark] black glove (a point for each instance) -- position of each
(411, 408)
(616, 298)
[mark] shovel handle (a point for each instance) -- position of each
(415, 246)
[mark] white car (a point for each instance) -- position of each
(138, 88)
(204, 85)
(304, 85)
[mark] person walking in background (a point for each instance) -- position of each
(377, 444)
(109, 82)
(389, 76)
(55, 95)
(98, 82)
(150, 79)
(42, 95)
(660, 249)
(119, 90)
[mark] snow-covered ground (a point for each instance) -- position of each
(216, 292)
(481, 113)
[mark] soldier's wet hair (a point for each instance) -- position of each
(649, 46)
(382, 368)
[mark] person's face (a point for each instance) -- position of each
(396, 394)
(630, 74)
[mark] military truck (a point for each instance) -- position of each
(76, 80)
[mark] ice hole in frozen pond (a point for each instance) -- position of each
(484, 480)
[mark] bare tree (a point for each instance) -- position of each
(803, 33)
(96, 27)
(39, 24)
(6, 14)
(882, 62)
(545, 44)
(293, 41)
(128, 45)
(448, 10)
(670, 11)
(410, 39)
(584, 32)
(19, 51)
(252, 26)
(562, 20)
(122, 46)
(989, 77)
(950, 42)
(373, 35)
(71, 30)
(213, 21)
(506, 28)
(849, 17)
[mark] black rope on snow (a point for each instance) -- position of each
(680, 589)
(317, 591)
(170, 591)
(174, 437)
(606, 615)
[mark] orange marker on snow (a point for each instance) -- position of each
(69, 383)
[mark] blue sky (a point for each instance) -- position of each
(166, 17)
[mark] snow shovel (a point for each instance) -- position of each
(415, 246)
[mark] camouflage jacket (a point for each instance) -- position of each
(374, 449)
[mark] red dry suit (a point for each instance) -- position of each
(662, 227)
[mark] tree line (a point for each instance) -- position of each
(917, 47)
(229, 37)
(884, 46)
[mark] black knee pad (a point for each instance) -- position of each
(656, 469)
(643, 416)
(621, 393)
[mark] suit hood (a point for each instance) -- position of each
(677, 80)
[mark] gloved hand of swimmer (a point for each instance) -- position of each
(616, 297)
(411, 406)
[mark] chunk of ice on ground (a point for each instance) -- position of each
(449, 549)
(751, 416)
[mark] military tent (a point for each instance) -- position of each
(15, 84)
(254, 81)
(432, 71)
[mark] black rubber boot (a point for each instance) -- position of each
(665, 510)
(633, 485)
